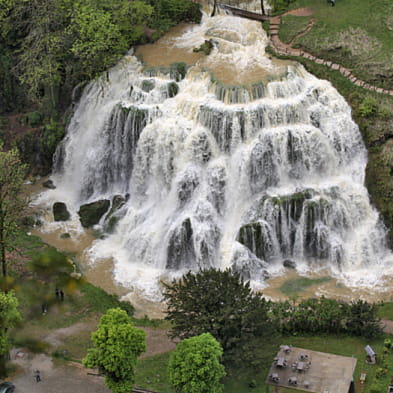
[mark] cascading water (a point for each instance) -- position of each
(249, 175)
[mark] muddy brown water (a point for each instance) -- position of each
(164, 52)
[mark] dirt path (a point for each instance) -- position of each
(157, 341)
(299, 12)
(304, 32)
(71, 377)
(387, 326)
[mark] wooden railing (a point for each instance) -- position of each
(243, 13)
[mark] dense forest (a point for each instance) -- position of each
(48, 47)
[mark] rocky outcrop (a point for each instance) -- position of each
(91, 213)
(60, 212)
(49, 184)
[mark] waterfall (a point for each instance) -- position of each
(248, 174)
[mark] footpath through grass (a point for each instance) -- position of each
(357, 34)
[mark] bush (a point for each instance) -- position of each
(368, 107)
(34, 119)
(61, 354)
(50, 137)
(280, 6)
(178, 71)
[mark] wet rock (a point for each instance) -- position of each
(173, 89)
(148, 85)
(206, 47)
(257, 238)
(113, 217)
(49, 184)
(187, 186)
(181, 252)
(289, 264)
(252, 270)
(60, 212)
(91, 213)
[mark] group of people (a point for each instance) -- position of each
(59, 294)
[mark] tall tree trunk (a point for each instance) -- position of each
(214, 8)
(2, 247)
(262, 8)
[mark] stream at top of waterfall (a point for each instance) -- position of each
(243, 161)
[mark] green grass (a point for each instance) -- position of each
(293, 287)
(291, 26)
(152, 373)
(370, 17)
(385, 310)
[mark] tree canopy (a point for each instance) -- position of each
(12, 175)
(48, 46)
(9, 317)
(194, 366)
(220, 303)
(117, 345)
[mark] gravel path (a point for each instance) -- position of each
(70, 378)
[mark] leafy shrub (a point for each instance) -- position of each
(34, 119)
(61, 354)
(50, 137)
(368, 107)
(178, 71)
(252, 384)
(280, 6)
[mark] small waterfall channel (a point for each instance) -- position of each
(245, 162)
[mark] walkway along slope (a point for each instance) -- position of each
(283, 49)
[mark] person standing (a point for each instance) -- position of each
(37, 376)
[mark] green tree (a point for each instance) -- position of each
(220, 303)
(9, 316)
(43, 47)
(117, 345)
(104, 32)
(12, 174)
(194, 366)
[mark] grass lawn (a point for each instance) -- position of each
(152, 373)
(291, 26)
(385, 311)
(357, 34)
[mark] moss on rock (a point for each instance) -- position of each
(60, 212)
(91, 213)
